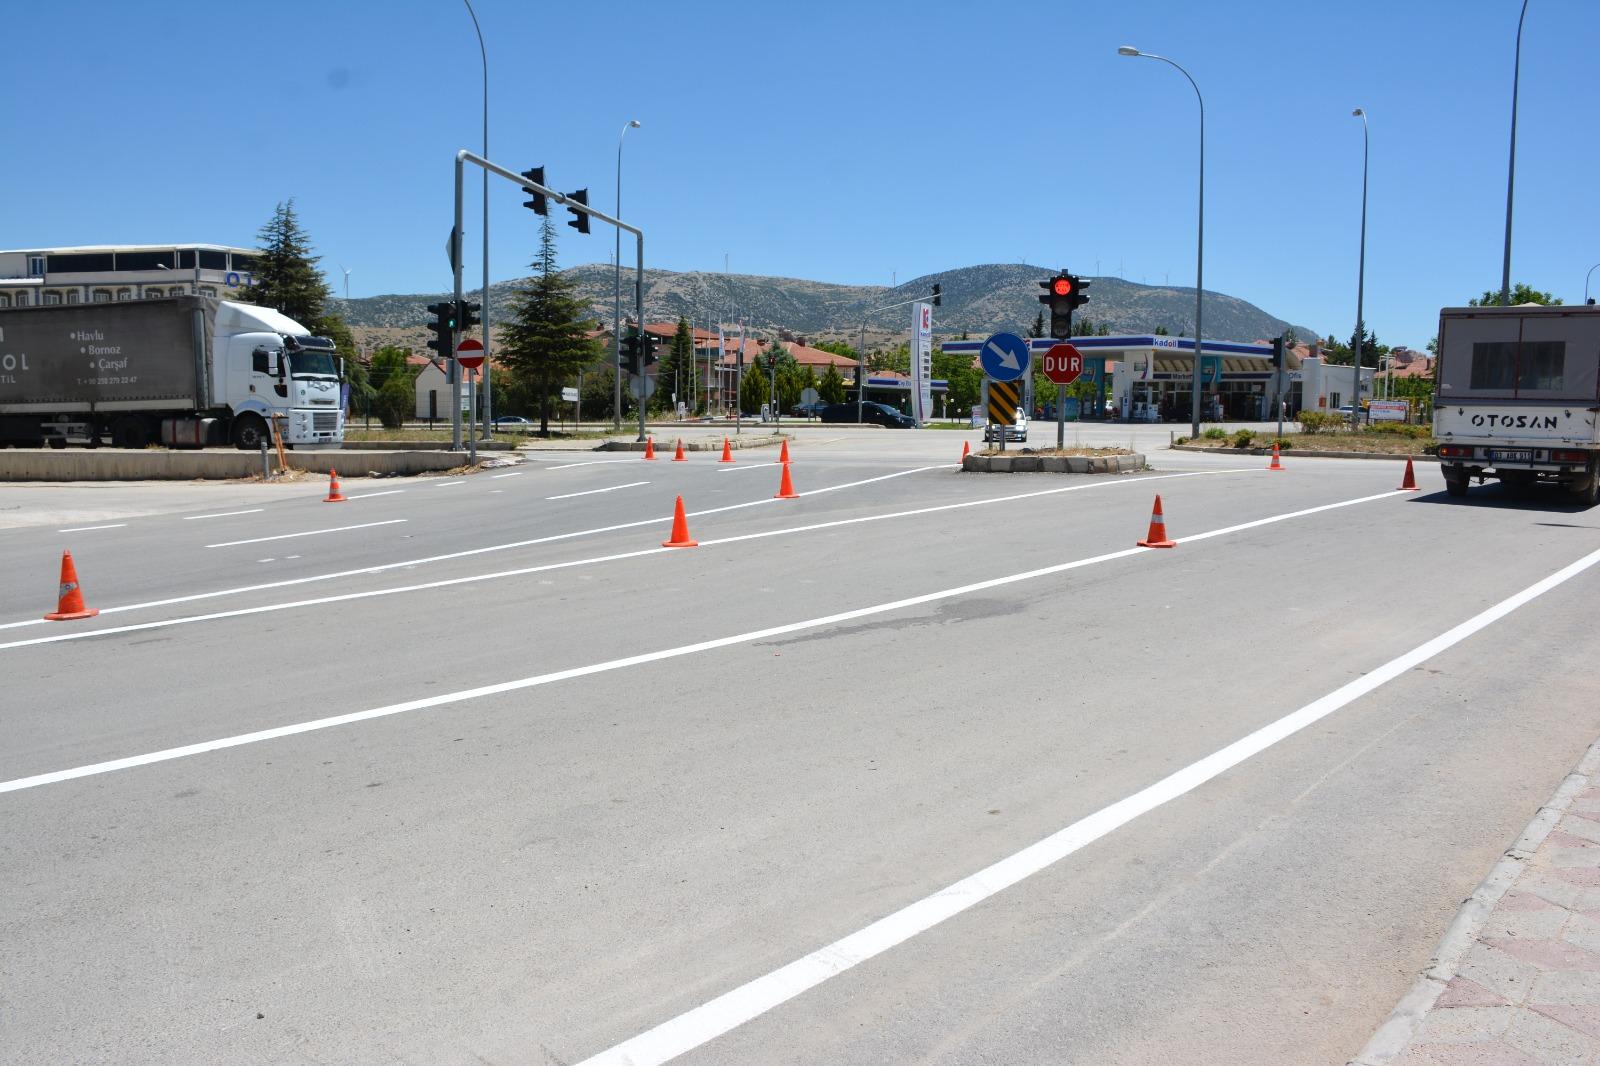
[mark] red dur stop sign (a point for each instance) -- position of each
(1062, 364)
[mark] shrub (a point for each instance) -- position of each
(1317, 421)
(1283, 443)
(1243, 438)
(1181, 440)
(1400, 429)
(1215, 433)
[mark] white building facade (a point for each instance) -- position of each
(31, 277)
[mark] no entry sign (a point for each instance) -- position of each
(469, 353)
(1063, 364)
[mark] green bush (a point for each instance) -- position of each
(1317, 421)
(1243, 438)
(1400, 429)
(1181, 440)
(1215, 433)
(1283, 443)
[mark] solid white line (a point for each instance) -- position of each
(593, 462)
(223, 514)
(442, 484)
(747, 466)
(380, 567)
(85, 529)
(307, 533)
(87, 634)
(733, 1008)
(514, 473)
(369, 495)
(591, 492)
(559, 675)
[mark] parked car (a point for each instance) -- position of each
(809, 410)
(512, 422)
(1016, 431)
(876, 414)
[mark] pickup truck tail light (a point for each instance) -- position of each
(1455, 451)
(1568, 455)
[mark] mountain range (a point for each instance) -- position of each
(976, 300)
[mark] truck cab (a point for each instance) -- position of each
(270, 367)
(1517, 397)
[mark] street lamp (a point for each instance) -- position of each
(1511, 166)
(616, 305)
(488, 374)
(1361, 270)
(1586, 278)
(1200, 241)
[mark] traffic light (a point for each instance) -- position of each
(936, 292)
(652, 348)
(467, 315)
(1062, 294)
(630, 350)
(443, 324)
(580, 219)
(540, 204)
(1278, 349)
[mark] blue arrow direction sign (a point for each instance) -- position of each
(1004, 357)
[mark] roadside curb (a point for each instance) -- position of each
(1054, 464)
(1395, 1034)
(1305, 454)
(735, 443)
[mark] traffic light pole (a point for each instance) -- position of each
(464, 157)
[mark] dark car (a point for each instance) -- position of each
(809, 410)
(875, 414)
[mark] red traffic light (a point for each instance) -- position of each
(1061, 286)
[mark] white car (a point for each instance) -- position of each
(1016, 431)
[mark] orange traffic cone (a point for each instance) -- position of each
(783, 455)
(680, 529)
(1275, 465)
(1409, 482)
(69, 602)
(679, 457)
(334, 495)
(727, 452)
(966, 450)
(786, 487)
(1157, 537)
(649, 448)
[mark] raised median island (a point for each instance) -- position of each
(1055, 461)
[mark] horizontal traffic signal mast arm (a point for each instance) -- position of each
(527, 184)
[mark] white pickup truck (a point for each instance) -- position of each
(1517, 397)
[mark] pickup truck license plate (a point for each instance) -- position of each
(1501, 455)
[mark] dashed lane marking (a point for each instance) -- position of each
(306, 533)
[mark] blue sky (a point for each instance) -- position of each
(839, 142)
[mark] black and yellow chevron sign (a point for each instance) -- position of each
(1003, 402)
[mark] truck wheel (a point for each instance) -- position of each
(248, 433)
(1588, 492)
(1456, 483)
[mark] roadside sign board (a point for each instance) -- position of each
(1004, 357)
(1003, 399)
(469, 353)
(1062, 364)
(569, 394)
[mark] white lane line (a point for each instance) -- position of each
(591, 492)
(465, 553)
(747, 466)
(369, 495)
(307, 533)
(514, 473)
(223, 514)
(593, 462)
(748, 1001)
(445, 484)
(85, 529)
(579, 671)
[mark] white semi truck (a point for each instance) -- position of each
(186, 371)
(1517, 397)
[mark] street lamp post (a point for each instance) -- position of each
(1586, 278)
(488, 375)
(616, 303)
(1361, 271)
(1511, 165)
(1200, 240)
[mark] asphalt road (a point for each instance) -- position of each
(923, 766)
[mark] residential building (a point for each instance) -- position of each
(105, 273)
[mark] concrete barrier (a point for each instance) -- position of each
(666, 445)
(154, 464)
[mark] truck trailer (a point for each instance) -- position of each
(186, 371)
(1517, 397)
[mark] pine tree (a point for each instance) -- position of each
(831, 388)
(1035, 330)
(676, 374)
(286, 275)
(544, 344)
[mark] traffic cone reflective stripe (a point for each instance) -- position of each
(783, 455)
(680, 529)
(1275, 465)
(69, 597)
(649, 448)
(727, 452)
(334, 495)
(786, 486)
(1409, 482)
(1157, 537)
(679, 457)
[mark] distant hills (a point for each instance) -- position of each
(977, 300)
